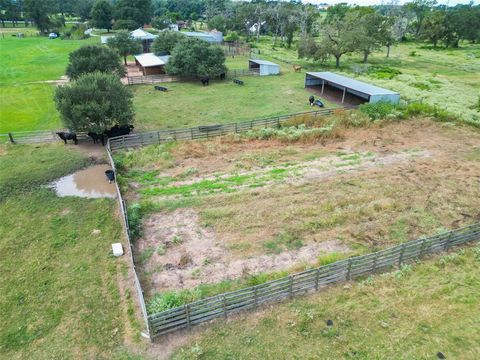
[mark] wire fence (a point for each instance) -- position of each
(208, 131)
(223, 305)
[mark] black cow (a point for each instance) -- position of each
(67, 136)
(311, 99)
(223, 76)
(238, 82)
(205, 80)
(160, 88)
(118, 130)
(95, 137)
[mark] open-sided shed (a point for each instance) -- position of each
(151, 64)
(344, 87)
(264, 67)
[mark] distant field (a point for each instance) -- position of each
(448, 78)
(26, 102)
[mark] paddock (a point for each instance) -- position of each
(347, 91)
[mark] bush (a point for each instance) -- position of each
(383, 72)
(125, 25)
(377, 111)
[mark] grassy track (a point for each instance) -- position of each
(59, 294)
(412, 313)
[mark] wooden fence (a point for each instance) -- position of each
(220, 306)
(123, 211)
(150, 79)
(205, 132)
(33, 137)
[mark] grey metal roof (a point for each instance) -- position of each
(263, 62)
(350, 83)
(151, 60)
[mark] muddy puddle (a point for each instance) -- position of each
(88, 183)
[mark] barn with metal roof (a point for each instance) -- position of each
(263, 67)
(343, 89)
(151, 64)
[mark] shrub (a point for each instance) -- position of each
(383, 72)
(377, 111)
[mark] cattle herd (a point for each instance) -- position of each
(116, 130)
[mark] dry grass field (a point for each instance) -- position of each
(231, 208)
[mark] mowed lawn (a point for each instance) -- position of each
(191, 104)
(59, 292)
(412, 313)
(26, 101)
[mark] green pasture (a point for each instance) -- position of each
(191, 104)
(26, 101)
(59, 294)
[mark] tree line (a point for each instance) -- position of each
(345, 28)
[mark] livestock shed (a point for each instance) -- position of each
(263, 67)
(151, 64)
(214, 36)
(337, 87)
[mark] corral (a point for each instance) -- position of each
(234, 209)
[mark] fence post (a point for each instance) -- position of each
(187, 313)
(400, 259)
(374, 267)
(349, 268)
(10, 136)
(422, 248)
(317, 276)
(191, 133)
(255, 297)
(123, 142)
(447, 244)
(290, 288)
(224, 304)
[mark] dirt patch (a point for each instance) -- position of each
(186, 254)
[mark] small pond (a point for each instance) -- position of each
(88, 183)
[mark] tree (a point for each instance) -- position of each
(83, 8)
(373, 32)
(95, 102)
(420, 8)
(125, 25)
(161, 22)
(166, 41)
(125, 44)
(195, 58)
(433, 29)
(137, 11)
(92, 58)
(340, 38)
(102, 15)
(39, 12)
(217, 22)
